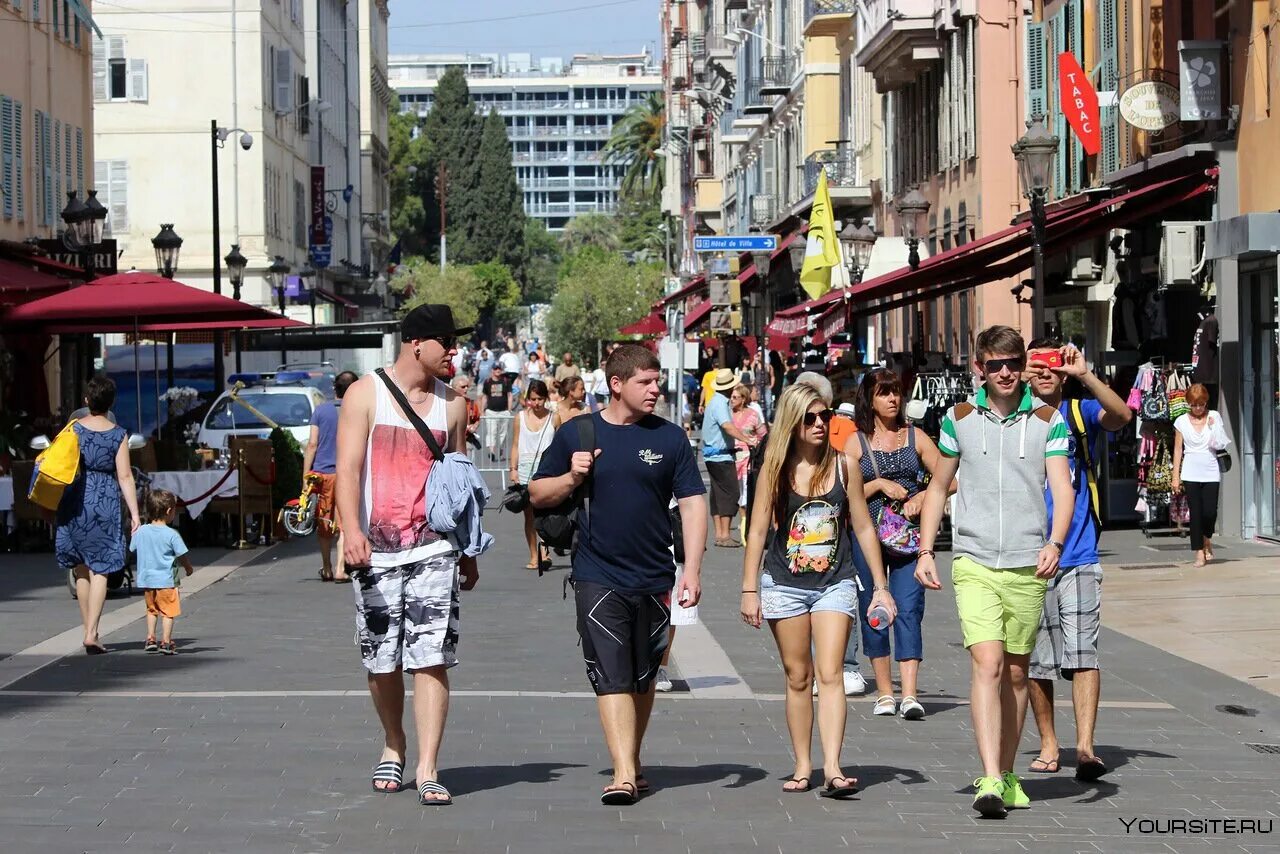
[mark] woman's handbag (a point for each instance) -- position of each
(917, 407)
(898, 534)
(56, 468)
(516, 498)
(1155, 399)
(1177, 389)
(1224, 460)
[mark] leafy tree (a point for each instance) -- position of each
(496, 212)
(640, 224)
(498, 288)
(412, 197)
(540, 264)
(457, 287)
(599, 230)
(452, 132)
(599, 293)
(635, 142)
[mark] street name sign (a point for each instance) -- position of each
(736, 243)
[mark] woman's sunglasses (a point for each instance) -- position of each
(811, 418)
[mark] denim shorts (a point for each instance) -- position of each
(778, 602)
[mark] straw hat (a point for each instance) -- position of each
(726, 379)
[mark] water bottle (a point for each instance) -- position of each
(878, 617)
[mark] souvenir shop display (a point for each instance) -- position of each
(1158, 396)
(935, 392)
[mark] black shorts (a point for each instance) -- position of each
(724, 488)
(624, 636)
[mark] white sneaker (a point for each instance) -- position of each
(663, 682)
(911, 709)
(854, 684)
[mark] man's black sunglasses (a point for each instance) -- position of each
(995, 366)
(811, 418)
(446, 341)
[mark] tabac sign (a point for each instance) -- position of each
(1079, 102)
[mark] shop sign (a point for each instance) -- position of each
(1150, 105)
(1200, 70)
(104, 256)
(788, 327)
(317, 205)
(834, 323)
(1079, 102)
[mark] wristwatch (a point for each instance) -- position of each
(1057, 545)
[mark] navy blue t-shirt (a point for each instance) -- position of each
(624, 541)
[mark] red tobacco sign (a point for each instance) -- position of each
(1079, 102)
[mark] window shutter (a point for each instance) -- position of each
(46, 160)
(56, 20)
(137, 80)
(99, 70)
(19, 165)
(1075, 44)
(1109, 156)
(970, 87)
(118, 210)
(1057, 122)
(57, 160)
(102, 183)
(35, 10)
(66, 158)
(79, 160)
(37, 126)
(1036, 93)
(6, 154)
(66, 20)
(284, 80)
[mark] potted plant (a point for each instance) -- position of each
(288, 482)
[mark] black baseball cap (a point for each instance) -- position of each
(431, 320)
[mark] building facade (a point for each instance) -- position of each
(558, 119)
(376, 98)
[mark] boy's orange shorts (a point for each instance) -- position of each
(163, 602)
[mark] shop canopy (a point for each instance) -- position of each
(697, 315)
(996, 256)
(20, 282)
(650, 324)
(140, 302)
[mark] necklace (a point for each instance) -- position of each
(895, 441)
(399, 385)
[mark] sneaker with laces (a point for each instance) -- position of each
(854, 684)
(1014, 797)
(151, 646)
(663, 682)
(989, 801)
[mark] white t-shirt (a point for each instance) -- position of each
(533, 369)
(458, 359)
(510, 363)
(1199, 462)
(599, 386)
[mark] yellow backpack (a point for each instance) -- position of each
(56, 469)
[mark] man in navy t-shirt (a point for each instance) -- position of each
(1067, 644)
(623, 569)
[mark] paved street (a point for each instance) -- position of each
(259, 737)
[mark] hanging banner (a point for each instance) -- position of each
(1200, 70)
(1078, 101)
(317, 205)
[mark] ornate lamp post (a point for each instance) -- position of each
(167, 245)
(1035, 152)
(858, 241)
(307, 273)
(912, 207)
(276, 274)
(236, 262)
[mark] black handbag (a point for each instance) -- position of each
(557, 526)
(516, 498)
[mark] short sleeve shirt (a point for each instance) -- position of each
(624, 541)
(325, 420)
(717, 446)
(1081, 545)
(495, 392)
(157, 547)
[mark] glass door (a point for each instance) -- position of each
(1261, 474)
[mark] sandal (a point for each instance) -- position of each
(1040, 765)
(388, 771)
(326, 576)
(431, 787)
(642, 785)
(802, 786)
(168, 647)
(621, 795)
(886, 706)
(94, 649)
(150, 645)
(1089, 769)
(840, 793)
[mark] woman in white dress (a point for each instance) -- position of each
(1198, 436)
(534, 428)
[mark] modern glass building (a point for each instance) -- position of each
(558, 118)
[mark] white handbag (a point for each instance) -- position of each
(917, 407)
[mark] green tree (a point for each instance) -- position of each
(599, 230)
(640, 227)
(451, 132)
(498, 288)
(541, 262)
(457, 287)
(412, 197)
(496, 212)
(635, 143)
(599, 293)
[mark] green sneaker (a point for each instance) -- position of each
(1014, 797)
(990, 798)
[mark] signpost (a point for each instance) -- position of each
(1150, 105)
(321, 255)
(1079, 102)
(736, 243)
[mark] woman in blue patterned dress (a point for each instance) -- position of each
(90, 538)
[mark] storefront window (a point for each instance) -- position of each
(1260, 472)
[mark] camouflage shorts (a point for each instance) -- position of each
(407, 616)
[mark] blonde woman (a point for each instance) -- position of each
(813, 501)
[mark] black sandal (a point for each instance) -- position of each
(840, 793)
(800, 791)
(431, 787)
(388, 771)
(621, 795)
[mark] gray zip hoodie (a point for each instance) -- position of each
(1000, 515)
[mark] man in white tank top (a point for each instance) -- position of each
(406, 576)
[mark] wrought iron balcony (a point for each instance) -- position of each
(776, 73)
(828, 17)
(840, 164)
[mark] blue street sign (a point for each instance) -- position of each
(328, 229)
(321, 255)
(736, 243)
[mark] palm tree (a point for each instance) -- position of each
(590, 230)
(635, 144)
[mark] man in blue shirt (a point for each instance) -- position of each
(321, 458)
(1067, 643)
(623, 569)
(718, 435)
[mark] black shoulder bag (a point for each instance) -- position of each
(414, 418)
(557, 526)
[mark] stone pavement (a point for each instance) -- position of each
(259, 737)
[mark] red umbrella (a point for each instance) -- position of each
(650, 324)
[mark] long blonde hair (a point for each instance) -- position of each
(779, 463)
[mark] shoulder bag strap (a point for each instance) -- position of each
(414, 418)
(869, 454)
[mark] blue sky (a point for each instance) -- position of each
(606, 26)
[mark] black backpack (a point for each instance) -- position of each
(557, 526)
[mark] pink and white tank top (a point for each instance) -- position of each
(397, 461)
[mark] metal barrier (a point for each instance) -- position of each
(494, 435)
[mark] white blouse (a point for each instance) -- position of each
(1199, 460)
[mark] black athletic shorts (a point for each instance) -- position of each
(624, 636)
(724, 488)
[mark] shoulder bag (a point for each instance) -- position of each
(56, 468)
(898, 534)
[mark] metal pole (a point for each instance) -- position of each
(219, 371)
(442, 190)
(1037, 261)
(284, 354)
(679, 330)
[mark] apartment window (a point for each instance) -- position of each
(112, 177)
(8, 156)
(115, 76)
(299, 215)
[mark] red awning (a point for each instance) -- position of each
(699, 282)
(20, 282)
(142, 301)
(698, 315)
(650, 324)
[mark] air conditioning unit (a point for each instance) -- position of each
(1179, 252)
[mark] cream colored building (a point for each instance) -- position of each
(46, 114)
(376, 98)
(160, 78)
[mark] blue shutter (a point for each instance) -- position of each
(6, 154)
(57, 159)
(1075, 44)
(1108, 51)
(66, 158)
(35, 10)
(1058, 32)
(56, 21)
(19, 167)
(1036, 97)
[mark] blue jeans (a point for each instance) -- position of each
(908, 594)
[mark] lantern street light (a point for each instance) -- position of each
(1035, 152)
(76, 217)
(276, 275)
(167, 245)
(796, 253)
(306, 273)
(858, 241)
(97, 217)
(912, 207)
(236, 263)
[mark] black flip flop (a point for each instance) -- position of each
(431, 787)
(800, 791)
(840, 793)
(94, 649)
(388, 771)
(642, 785)
(623, 795)
(1090, 770)
(1050, 766)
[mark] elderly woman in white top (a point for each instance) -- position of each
(1198, 436)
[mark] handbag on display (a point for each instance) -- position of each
(1155, 400)
(917, 407)
(1177, 387)
(1159, 480)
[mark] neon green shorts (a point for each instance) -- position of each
(998, 604)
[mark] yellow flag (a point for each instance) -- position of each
(822, 251)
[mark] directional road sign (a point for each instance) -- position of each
(736, 243)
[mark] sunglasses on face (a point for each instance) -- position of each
(995, 366)
(448, 342)
(811, 418)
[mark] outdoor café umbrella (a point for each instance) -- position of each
(650, 324)
(139, 302)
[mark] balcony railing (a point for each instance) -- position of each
(545, 183)
(592, 130)
(840, 164)
(814, 8)
(764, 208)
(776, 73)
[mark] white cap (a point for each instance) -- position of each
(846, 409)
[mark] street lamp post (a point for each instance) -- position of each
(276, 274)
(756, 301)
(85, 222)
(306, 274)
(217, 139)
(1035, 152)
(912, 207)
(167, 245)
(858, 242)
(236, 262)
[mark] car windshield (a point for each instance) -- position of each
(287, 410)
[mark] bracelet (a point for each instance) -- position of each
(923, 552)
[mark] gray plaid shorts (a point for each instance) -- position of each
(1068, 637)
(407, 616)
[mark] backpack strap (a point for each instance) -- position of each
(1084, 459)
(586, 442)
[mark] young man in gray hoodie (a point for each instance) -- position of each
(1004, 444)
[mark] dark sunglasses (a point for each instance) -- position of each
(446, 341)
(811, 418)
(995, 366)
